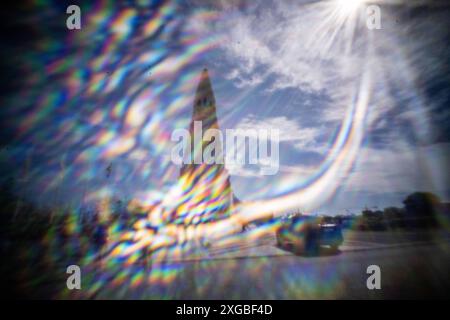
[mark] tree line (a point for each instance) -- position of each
(421, 210)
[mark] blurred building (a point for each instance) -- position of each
(206, 189)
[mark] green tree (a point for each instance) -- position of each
(394, 217)
(373, 220)
(421, 209)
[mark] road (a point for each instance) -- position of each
(412, 266)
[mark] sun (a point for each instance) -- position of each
(349, 6)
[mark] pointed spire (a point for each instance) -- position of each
(204, 111)
(204, 87)
(205, 102)
(210, 182)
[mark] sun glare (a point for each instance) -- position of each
(349, 6)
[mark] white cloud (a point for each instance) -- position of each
(300, 138)
(290, 41)
(401, 169)
(303, 139)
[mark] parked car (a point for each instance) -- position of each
(306, 234)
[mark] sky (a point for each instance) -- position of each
(363, 114)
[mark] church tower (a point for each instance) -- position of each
(206, 190)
